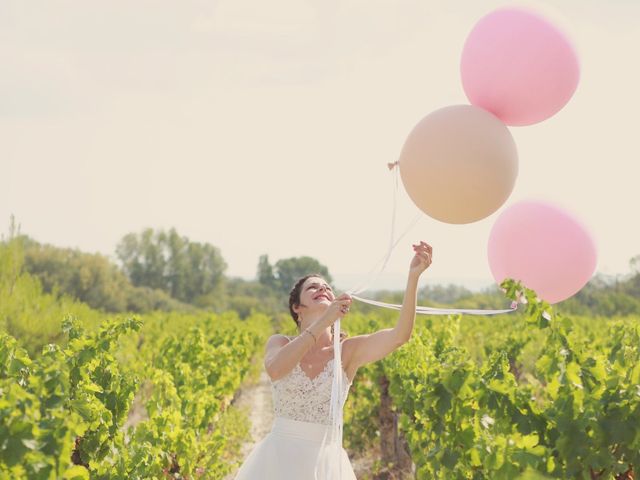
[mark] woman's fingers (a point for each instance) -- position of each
(343, 302)
(423, 247)
(424, 253)
(424, 257)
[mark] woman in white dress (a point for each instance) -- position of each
(301, 377)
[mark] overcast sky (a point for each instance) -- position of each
(266, 126)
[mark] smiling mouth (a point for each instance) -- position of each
(323, 296)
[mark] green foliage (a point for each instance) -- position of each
(70, 273)
(186, 270)
(91, 278)
(245, 297)
(361, 425)
(606, 296)
(63, 411)
(266, 275)
(534, 394)
(194, 376)
(63, 415)
(65, 407)
(26, 312)
(448, 294)
(283, 275)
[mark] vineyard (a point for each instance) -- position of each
(63, 415)
(71, 408)
(531, 395)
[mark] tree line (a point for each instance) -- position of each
(157, 269)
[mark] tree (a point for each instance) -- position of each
(444, 294)
(282, 276)
(142, 260)
(288, 270)
(188, 271)
(266, 276)
(633, 284)
(90, 278)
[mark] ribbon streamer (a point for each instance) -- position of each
(331, 447)
(439, 311)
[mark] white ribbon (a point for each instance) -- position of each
(332, 448)
(439, 311)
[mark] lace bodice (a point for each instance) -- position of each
(298, 397)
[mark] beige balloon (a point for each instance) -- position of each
(459, 164)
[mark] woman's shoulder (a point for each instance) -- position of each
(275, 343)
(279, 338)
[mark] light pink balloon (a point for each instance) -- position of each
(544, 247)
(518, 66)
(459, 164)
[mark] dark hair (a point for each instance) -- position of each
(294, 300)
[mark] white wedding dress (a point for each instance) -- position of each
(292, 450)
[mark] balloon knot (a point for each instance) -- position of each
(392, 165)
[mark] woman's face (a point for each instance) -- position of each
(316, 293)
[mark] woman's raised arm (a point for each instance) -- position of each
(375, 346)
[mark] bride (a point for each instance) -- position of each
(300, 374)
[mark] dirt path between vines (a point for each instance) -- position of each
(256, 400)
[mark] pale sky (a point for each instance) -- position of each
(266, 126)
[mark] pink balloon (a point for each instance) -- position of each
(544, 247)
(518, 66)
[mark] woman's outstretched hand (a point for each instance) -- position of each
(422, 258)
(338, 308)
